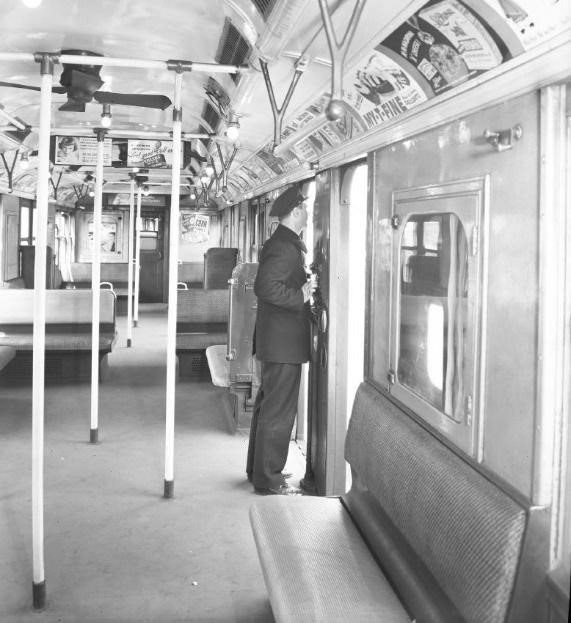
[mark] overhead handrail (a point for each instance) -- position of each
(338, 53)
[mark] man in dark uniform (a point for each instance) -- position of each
(281, 343)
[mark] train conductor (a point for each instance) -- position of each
(281, 343)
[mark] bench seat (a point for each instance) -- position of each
(68, 331)
(59, 341)
(453, 545)
(201, 321)
(317, 566)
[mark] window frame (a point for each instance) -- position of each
(468, 200)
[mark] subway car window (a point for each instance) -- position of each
(438, 283)
(433, 296)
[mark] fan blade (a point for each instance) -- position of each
(73, 106)
(122, 99)
(31, 88)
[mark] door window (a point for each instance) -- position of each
(436, 293)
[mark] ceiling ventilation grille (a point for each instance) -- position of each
(233, 49)
(264, 7)
(212, 118)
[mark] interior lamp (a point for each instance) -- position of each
(209, 170)
(233, 131)
(146, 190)
(32, 4)
(106, 117)
(24, 161)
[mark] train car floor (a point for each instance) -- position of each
(115, 549)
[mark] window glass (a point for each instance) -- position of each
(24, 225)
(433, 311)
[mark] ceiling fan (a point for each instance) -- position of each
(81, 84)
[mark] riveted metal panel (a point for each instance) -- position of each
(458, 151)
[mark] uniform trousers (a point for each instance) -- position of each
(274, 415)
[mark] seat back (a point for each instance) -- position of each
(201, 307)
(62, 307)
(219, 263)
(448, 538)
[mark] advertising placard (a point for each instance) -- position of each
(194, 227)
(446, 43)
(149, 154)
(81, 150)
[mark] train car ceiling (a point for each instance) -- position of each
(404, 59)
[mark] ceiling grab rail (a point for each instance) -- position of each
(225, 164)
(338, 51)
(278, 113)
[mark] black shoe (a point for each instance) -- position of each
(286, 475)
(284, 489)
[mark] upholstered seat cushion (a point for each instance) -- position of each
(58, 341)
(316, 565)
(199, 340)
(218, 365)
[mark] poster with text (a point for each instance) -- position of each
(194, 227)
(81, 150)
(149, 154)
(445, 43)
(379, 89)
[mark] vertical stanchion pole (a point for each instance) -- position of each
(137, 257)
(39, 338)
(95, 287)
(130, 266)
(173, 279)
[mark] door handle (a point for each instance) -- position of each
(323, 356)
(323, 321)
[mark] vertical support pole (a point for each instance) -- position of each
(130, 266)
(95, 289)
(137, 257)
(39, 338)
(173, 279)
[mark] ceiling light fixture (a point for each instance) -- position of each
(24, 161)
(106, 116)
(233, 130)
(146, 190)
(209, 170)
(32, 4)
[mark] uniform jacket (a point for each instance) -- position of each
(282, 332)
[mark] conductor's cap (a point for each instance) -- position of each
(286, 202)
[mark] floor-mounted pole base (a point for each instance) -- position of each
(169, 489)
(39, 595)
(129, 343)
(93, 435)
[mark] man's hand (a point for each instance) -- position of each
(308, 288)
